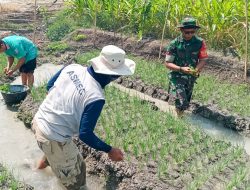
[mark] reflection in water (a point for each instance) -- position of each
(217, 130)
(19, 152)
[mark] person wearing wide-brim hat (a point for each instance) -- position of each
(72, 107)
(185, 58)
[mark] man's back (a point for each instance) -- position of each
(60, 113)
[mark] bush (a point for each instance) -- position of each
(57, 47)
(79, 37)
(62, 26)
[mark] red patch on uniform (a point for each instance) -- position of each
(203, 51)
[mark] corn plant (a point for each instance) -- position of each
(221, 21)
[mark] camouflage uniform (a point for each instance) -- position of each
(183, 53)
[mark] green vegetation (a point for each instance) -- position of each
(55, 47)
(233, 97)
(79, 37)
(60, 26)
(7, 181)
(222, 21)
(198, 156)
(38, 94)
(5, 87)
(85, 57)
(126, 118)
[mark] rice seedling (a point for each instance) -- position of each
(234, 97)
(7, 180)
(38, 94)
(5, 87)
(239, 176)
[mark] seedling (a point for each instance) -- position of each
(5, 88)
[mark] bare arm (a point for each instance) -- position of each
(18, 65)
(175, 67)
(200, 65)
(172, 66)
(10, 62)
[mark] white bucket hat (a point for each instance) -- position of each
(111, 61)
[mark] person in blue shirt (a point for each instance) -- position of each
(72, 107)
(25, 51)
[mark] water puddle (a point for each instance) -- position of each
(218, 131)
(19, 150)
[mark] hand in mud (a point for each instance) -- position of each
(115, 154)
(6, 70)
(10, 72)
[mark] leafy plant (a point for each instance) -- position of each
(221, 21)
(57, 47)
(79, 37)
(5, 88)
(60, 26)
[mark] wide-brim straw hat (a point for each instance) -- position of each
(112, 61)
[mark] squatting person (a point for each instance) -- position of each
(185, 56)
(72, 107)
(25, 51)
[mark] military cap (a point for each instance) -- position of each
(188, 22)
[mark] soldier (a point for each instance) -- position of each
(185, 57)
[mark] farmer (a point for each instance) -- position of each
(25, 51)
(185, 56)
(72, 107)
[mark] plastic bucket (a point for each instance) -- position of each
(16, 94)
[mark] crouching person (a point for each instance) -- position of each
(25, 51)
(72, 107)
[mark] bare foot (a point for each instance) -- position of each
(43, 163)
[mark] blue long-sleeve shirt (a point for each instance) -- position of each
(91, 112)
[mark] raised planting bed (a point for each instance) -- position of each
(160, 151)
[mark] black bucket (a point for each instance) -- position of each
(15, 95)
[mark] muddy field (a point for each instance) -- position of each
(131, 175)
